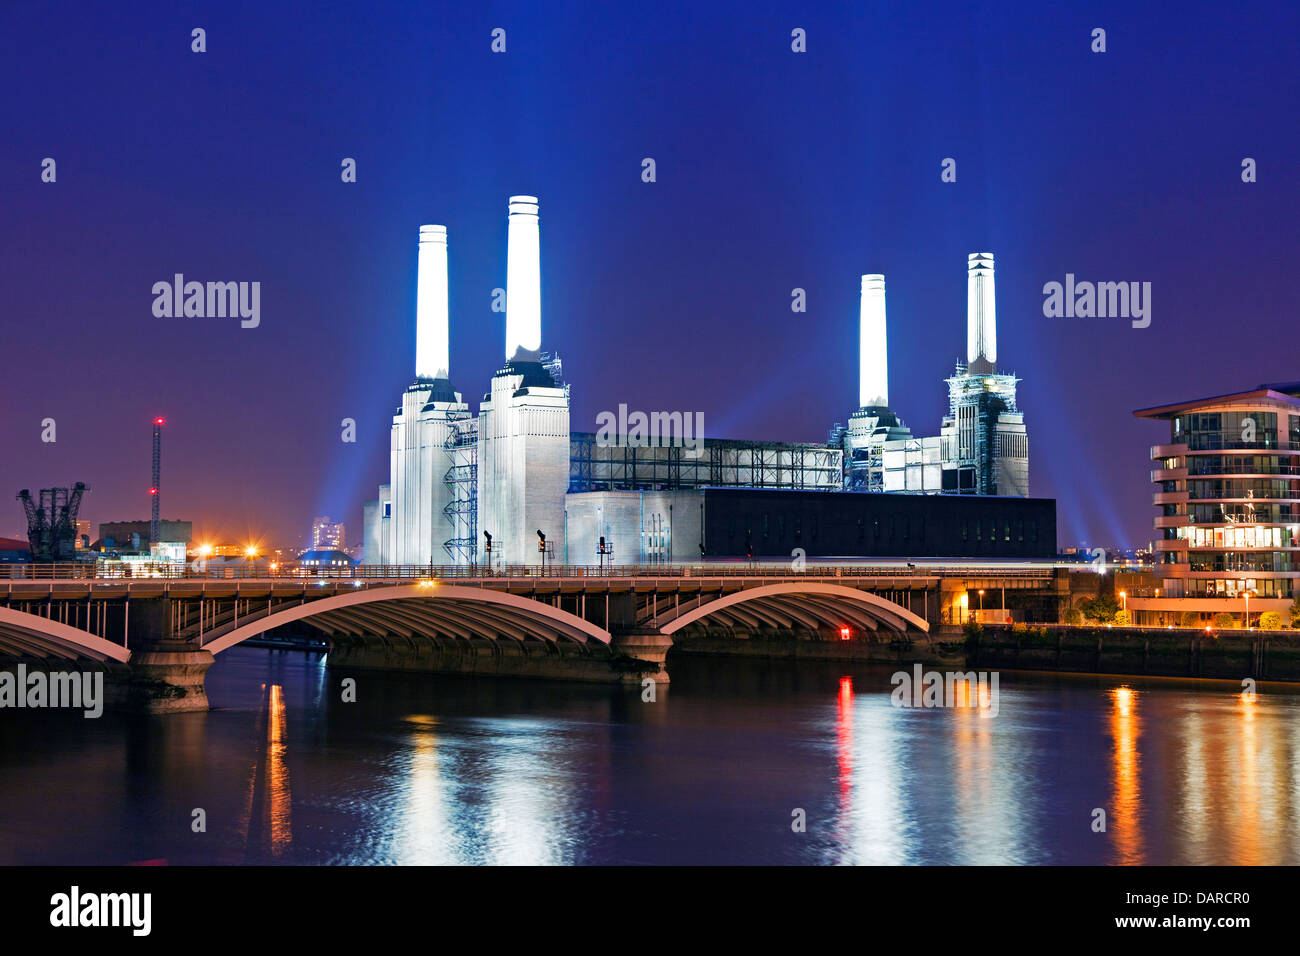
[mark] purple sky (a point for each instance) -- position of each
(775, 170)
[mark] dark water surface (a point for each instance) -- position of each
(426, 769)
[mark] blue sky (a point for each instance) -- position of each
(775, 170)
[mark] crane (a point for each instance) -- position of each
(157, 478)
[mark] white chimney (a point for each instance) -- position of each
(523, 280)
(981, 316)
(873, 355)
(432, 348)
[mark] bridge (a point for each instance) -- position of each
(156, 636)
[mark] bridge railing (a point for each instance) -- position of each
(387, 572)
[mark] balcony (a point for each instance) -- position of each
(1239, 496)
(1168, 474)
(1174, 544)
(1172, 521)
(1259, 447)
(1169, 498)
(1159, 452)
(1201, 470)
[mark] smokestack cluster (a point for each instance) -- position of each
(432, 342)
(981, 316)
(873, 355)
(523, 281)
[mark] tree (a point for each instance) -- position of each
(1295, 612)
(1123, 618)
(1225, 621)
(1074, 616)
(1271, 621)
(1190, 619)
(1101, 609)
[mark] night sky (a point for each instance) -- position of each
(775, 170)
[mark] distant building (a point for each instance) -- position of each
(1106, 558)
(327, 534)
(118, 534)
(14, 551)
(1228, 493)
(324, 557)
(221, 550)
(84, 532)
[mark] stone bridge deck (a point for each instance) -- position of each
(591, 624)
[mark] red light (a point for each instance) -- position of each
(159, 421)
(153, 491)
(844, 634)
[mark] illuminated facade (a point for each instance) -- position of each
(1228, 493)
(415, 523)
(508, 470)
(515, 468)
(874, 423)
(982, 447)
(328, 535)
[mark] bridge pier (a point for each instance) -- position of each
(640, 653)
(166, 677)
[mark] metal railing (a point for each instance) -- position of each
(373, 572)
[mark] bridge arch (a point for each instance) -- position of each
(809, 603)
(30, 635)
(428, 610)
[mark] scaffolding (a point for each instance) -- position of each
(462, 483)
(975, 402)
(720, 463)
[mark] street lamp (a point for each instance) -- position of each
(1248, 595)
(1123, 596)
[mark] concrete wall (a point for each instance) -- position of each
(418, 463)
(643, 526)
(614, 514)
(1180, 652)
(523, 468)
(371, 549)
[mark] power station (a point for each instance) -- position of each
(982, 447)
(514, 485)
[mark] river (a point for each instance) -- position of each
(736, 761)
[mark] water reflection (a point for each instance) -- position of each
(1125, 816)
(423, 827)
(425, 770)
(266, 822)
